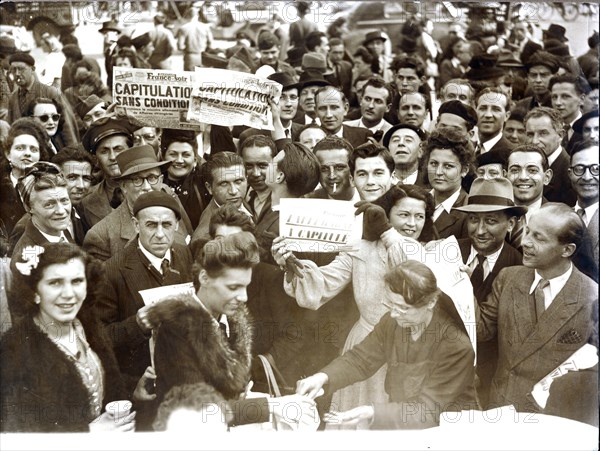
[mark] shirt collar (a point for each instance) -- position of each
(374, 128)
(589, 211)
(531, 209)
(153, 259)
(54, 238)
(340, 132)
(492, 142)
(448, 203)
(556, 284)
(575, 120)
(492, 258)
(308, 120)
(554, 155)
(411, 179)
(222, 319)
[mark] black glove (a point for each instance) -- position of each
(375, 221)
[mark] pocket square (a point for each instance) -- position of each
(570, 337)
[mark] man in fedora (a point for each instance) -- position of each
(375, 42)
(106, 138)
(542, 313)
(491, 215)
(310, 82)
(151, 259)
(541, 66)
(555, 31)
(139, 173)
(586, 127)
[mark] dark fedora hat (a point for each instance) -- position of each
(506, 58)
(294, 56)
(579, 123)
(483, 67)
(137, 159)
(487, 195)
(312, 78)
(110, 25)
(372, 36)
(286, 80)
(555, 31)
(388, 135)
(104, 128)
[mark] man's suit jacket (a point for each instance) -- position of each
(559, 189)
(502, 145)
(509, 256)
(128, 272)
(529, 103)
(247, 132)
(95, 206)
(447, 72)
(453, 223)
(530, 349)
(12, 208)
(586, 257)
(356, 135)
(111, 234)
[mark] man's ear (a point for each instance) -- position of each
(136, 224)
(208, 187)
(569, 250)
(512, 222)
(548, 176)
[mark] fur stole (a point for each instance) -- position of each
(190, 347)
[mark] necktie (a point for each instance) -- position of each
(22, 100)
(479, 149)
(581, 213)
(516, 235)
(540, 298)
(477, 276)
(287, 133)
(251, 199)
(62, 240)
(223, 328)
(165, 266)
(117, 198)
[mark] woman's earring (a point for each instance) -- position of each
(37, 299)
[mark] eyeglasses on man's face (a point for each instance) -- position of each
(579, 169)
(152, 179)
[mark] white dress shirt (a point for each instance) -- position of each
(154, 260)
(445, 205)
(589, 212)
(488, 264)
(556, 284)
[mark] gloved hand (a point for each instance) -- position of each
(375, 221)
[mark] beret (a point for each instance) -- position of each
(156, 199)
(388, 135)
(459, 109)
(21, 57)
(495, 156)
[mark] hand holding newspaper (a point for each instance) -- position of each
(584, 358)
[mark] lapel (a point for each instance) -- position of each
(34, 234)
(465, 249)
(136, 272)
(265, 209)
(126, 227)
(591, 231)
(447, 220)
(565, 305)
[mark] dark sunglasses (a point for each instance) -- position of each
(45, 117)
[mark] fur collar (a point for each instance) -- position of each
(191, 348)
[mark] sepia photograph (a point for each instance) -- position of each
(366, 224)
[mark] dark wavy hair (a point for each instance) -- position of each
(56, 254)
(229, 215)
(239, 250)
(454, 141)
(28, 126)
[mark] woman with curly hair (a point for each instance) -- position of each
(448, 157)
(58, 369)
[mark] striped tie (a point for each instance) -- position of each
(540, 298)
(516, 235)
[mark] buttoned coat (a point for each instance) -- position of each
(127, 273)
(530, 349)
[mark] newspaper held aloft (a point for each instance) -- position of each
(319, 225)
(157, 98)
(225, 97)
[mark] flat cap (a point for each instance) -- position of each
(21, 57)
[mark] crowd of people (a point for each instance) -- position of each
(99, 208)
